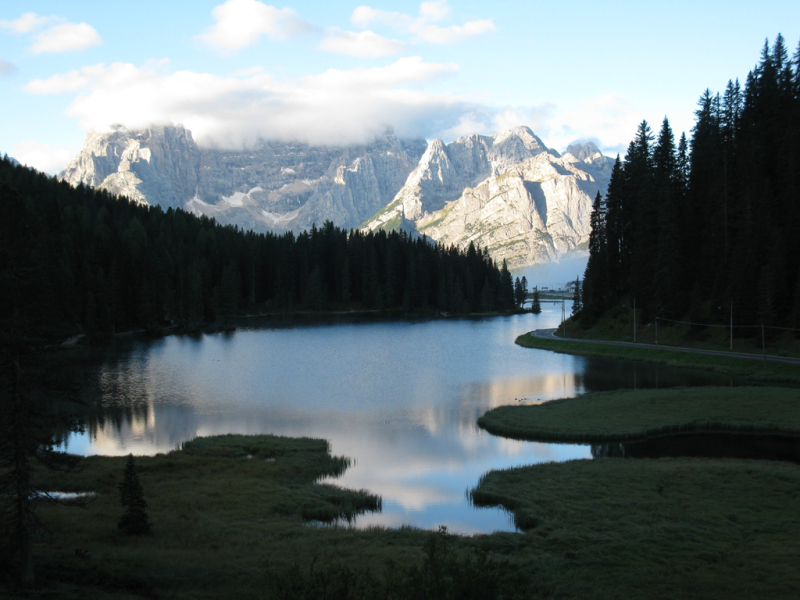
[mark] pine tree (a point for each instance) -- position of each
(577, 303)
(667, 196)
(506, 291)
(134, 520)
(524, 284)
(519, 298)
(595, 279)
(536, 304)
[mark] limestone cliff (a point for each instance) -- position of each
(157, 165)
(274, 186)
(506, 192)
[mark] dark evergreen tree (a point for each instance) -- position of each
(134, 519)
(692, 229)
(519, 298)
(36, 406)
(596, 278)
(524, 286)
(577, 301)
(506, 289)
(536, 303)
(668, 199)
(614, 230)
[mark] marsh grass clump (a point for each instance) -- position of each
(332, 503)
(445, 572)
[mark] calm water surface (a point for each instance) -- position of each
(400, 398)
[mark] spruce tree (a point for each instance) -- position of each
(595, 279)
(536, 304)
(134, 520)
(519, 298)
(524, 284)
(577, 303)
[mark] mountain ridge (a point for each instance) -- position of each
(507, 192)
(272, 186)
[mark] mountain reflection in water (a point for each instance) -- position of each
(401, 398)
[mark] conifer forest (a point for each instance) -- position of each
(706, 226)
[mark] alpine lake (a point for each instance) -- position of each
(400, 398)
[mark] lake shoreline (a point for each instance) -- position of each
(228, 516)
(629, 415)
(754, 370)
(227, 325)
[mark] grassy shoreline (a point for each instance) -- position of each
(636, 414)
(666, 528)
(228, 518)
(751, 369)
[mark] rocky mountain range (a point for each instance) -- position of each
(507, 192)
(274, 186)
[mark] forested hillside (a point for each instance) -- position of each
(697, 229)
(79, 258)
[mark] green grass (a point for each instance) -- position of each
(220, 508)
(228, 522)
(667, 528)
(634, 414)
(744, 367)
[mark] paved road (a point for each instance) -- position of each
(548, 334)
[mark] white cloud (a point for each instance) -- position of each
(67, 82)
(405, 71)
(434, 11)
(7, 69)
(423, 26)
(66, 37)
(248, 71)
(43, 157)
(490, 120)
(59, 36)
(241, 22)
(609, 118)
(455, 33)
(361, 44)
(27, 22)
(334, 107)
(364, 16)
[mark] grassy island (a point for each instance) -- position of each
(634, 414)
(655, 528)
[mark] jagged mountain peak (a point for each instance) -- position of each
(522, 133)
(272, 185)
(507, 192)
(583, 151)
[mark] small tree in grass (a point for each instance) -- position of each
(134, 520)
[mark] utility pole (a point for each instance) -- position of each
(634, 319)
(656, 331)
(731, 320)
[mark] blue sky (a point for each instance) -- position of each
(324, 72)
